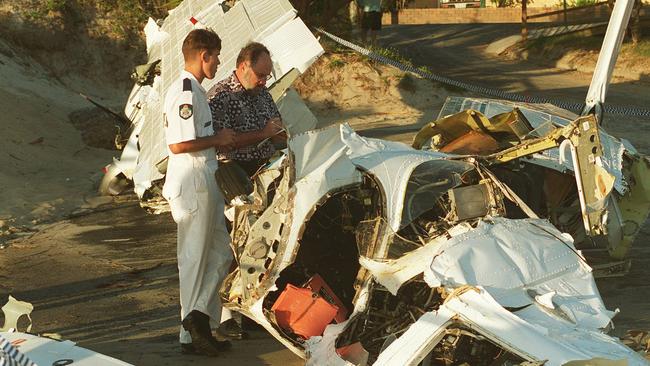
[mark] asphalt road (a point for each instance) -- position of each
(457, 51)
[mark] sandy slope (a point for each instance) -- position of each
(372, 98)
(46, 169)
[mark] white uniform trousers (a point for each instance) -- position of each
(204, 254)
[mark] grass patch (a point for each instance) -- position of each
(642, 48)
(392, 54)
(336, 63)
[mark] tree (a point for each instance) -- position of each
(318, 13)
(634, 25)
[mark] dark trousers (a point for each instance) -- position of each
(251, 166)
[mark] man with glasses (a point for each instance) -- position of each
(241, 102)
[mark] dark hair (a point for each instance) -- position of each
(251, 53)
(200, 40)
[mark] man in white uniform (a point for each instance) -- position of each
(204, 254)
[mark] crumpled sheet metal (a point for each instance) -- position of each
(321, 166)
(542, 116)
(321, 351)
(13, 310)
(392, 274)
(386, 160)
(479, 311)
(418, 340)
(518, 260)
(383, 159)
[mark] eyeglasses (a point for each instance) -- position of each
(261, 76)
(264, 77)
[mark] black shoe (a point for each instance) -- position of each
(198, 324)
(232, 330)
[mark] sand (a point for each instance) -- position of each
(47, 169)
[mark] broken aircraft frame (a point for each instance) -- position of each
(471, 246)
(443, 250)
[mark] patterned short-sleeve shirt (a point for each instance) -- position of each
(235, 108)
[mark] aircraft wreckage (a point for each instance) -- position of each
(472, 246)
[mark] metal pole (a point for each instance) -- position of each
(524, 21)
(607, 58)
(565, 19)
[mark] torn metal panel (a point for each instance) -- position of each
(477, 312)
(322, 350)
(317, 150)
(392, 274)
(321, 166)
(542, 118)
(46, 351)
(386, 160)
(557, 344)
(278, 88)
(594, 183)
(516, 260)
(418, 340)
(296, 116)
(291, 47)
(634, 207)
(13, 310)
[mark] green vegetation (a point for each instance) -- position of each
(425, 69)
(336, 63)
(507, 3)
(642, 48)
(575, 3)
(124, 18)
(578, 3)
(392, 54)
(54, 5)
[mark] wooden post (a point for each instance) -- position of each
(524, 20)
(565, 18)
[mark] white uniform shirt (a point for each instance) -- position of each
(187, 117)
(187, 113)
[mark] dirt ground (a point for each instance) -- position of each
(102, 272)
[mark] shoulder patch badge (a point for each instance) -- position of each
(185, 111)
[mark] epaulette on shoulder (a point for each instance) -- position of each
(187, 84)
